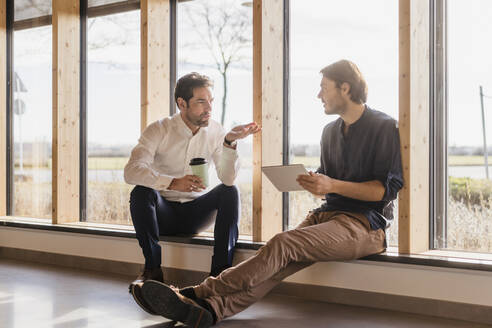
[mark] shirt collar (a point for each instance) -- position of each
(181, 125)
(362, 118)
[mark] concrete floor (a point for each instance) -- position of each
(35, 295)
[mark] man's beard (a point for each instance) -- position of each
(339, 109)
(198, 121)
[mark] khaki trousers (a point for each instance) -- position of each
(323, 236)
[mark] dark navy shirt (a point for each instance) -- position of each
(369, 151)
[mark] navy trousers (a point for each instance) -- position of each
(153, 215)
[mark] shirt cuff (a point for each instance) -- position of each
(392, 184)
(163, 182)
(229, 153)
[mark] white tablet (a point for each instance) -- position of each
(284, 177)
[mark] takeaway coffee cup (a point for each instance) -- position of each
(199, 167)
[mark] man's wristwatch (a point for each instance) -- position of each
(230, 143)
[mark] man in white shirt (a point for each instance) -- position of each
(168, 199)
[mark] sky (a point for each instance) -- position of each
(322, 32)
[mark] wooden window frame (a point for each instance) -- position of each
(156, 66)
(66, 111)
(414, 125)
(268, 91)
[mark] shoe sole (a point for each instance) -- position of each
(136, 291)
(166, 302)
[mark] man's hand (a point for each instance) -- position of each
(188, 183)
(320, 185)
(242, 131)
(316, 184)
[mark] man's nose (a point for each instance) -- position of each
(319, 95)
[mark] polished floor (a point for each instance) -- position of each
(35, 295)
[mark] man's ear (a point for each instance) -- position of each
(181, 103)
(345, 88)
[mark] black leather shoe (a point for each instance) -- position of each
(135, 287)
(136, 291)
(150, 274)
(169, 303)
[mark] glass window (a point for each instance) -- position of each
(214, 38)
(322, 32)
(26, 9)
(32, 122)
(113, 112)
(469, 109)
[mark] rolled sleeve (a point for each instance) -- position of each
(226, 162)
(392, 184)
(388, 168)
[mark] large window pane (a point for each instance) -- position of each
(469, 203)
(32, 108)
(113, 112)
(207, 30)
(323, 32)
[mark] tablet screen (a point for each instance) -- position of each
(283, 177)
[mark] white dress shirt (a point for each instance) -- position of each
(165, 149)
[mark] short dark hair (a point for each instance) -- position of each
(345, 71)
(187, 83)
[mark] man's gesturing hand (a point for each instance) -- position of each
(188, 183)
(242, 131)
(317, 184)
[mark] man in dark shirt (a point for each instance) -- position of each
(359, 176)
(360, 167)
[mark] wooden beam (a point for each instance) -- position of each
(413, 231)
(32, 22)
(66, 110)
(268, 112)
(257, 117)
(155, 60)
(3, 107)
(111, 8)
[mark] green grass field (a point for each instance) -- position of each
(467, 160)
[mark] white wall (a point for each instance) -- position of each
(456, 285)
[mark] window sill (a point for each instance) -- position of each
(437, 258)
(125, 231)
(433, 258)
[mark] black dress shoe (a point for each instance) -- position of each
(135, 287)
(169, 303)
(136, 291)
(150, 274)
